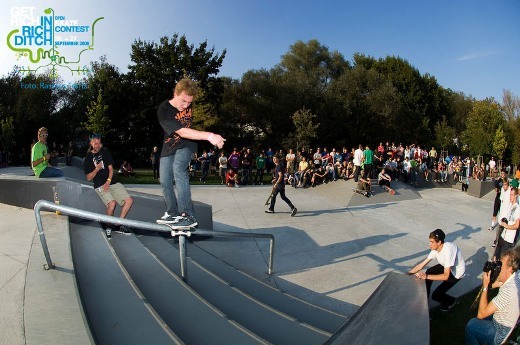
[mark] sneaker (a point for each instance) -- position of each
(269, 211)
(122, 230)
(186, 221)
(168, 219)
(108, 232)
(447, 308)
(294, 211)
(494, 244)
(237, 186)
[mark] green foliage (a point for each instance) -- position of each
(481, 125)
(444, 134)
(499, 142)
(97, 121)
(7, 138)
(305, 128)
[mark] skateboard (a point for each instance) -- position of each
(184, 231)
(362, 192)
(268, 201)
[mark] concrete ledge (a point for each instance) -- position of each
(480, 188)
(53, 313)
(26, 192)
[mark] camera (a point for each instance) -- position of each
(494, 268)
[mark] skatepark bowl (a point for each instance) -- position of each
(152, 288)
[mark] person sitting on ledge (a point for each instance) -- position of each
(40, 157)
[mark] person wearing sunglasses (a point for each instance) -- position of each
(40, 157)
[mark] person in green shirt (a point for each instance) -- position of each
(260, 168)
(40, 157)
(368, 161)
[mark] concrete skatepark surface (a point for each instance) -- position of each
(334, 253)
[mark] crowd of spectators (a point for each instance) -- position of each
(311, 167)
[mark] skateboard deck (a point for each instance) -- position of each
(268, 201)
(184, 231)
(362, 192)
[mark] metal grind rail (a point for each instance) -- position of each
(74, 212)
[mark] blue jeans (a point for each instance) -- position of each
(51, 172)
(175, 167)
(480, 331)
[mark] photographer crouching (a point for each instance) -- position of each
(496, 319)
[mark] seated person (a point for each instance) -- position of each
(331, 172)
(307, 177)
(364, 184)
(231, 178)
(126, 169)
(319, 176)
(383, 179)
(497, 318)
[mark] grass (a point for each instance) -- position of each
(447, 328)
(145, 176)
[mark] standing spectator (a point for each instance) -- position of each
(175, 118)
(290, 158)
(368, 159)
(204, 164)
(234, 160)
(261, 162)
(155, 159)
(70, 153)
(509, 236)
(40, 157)
(432, 157)
(247, 166)
(358, 160)
(496, 319)
(496, 205)
(450, 270)
(223, 166)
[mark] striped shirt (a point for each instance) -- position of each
(508, 307)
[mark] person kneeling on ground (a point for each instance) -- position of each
(231, 178)
(496, 319)
(98, 166)
(450, 270)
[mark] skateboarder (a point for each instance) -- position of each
(279, 187)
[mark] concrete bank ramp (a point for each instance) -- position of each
(396, 313)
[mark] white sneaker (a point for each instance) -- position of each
(237, 186)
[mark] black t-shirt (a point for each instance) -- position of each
(171, 120)
(104, 157)
(277, 170)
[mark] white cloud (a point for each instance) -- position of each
(475, 55)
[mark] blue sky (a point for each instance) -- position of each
(469, 46)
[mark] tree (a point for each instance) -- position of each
(499, 142)
(97, 121)
(7, 138)
(481, 125)
(305, 129)
(444, 134)
(510, 105)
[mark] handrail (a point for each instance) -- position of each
(71, 211)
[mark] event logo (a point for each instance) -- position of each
(49, 41)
